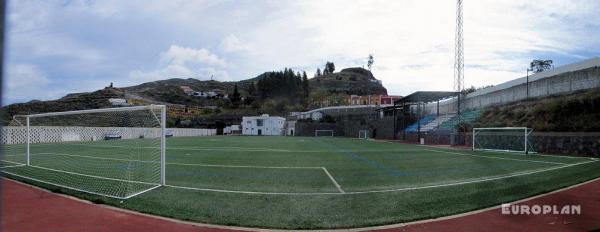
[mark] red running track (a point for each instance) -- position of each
(27, 208)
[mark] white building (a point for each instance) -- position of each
(118, 102)
(263, 125)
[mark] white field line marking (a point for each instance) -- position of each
(11, 162)
(515, 154)
(92, 176)
(182, 164)
(236, 149)
(12, 166)
(333, 180)
(95, 157)
(143, 191)
(242, 166)
(181, 148)
(15, 155)
(67, 187)
(493, 157)
(390, 190)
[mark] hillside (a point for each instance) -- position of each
(575, 112)
(271, 97)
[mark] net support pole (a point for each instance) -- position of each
(163, 119)
(525, 137)
(28, 141)
(473, 138)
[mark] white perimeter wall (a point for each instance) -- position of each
(562, 80)
(53, 134)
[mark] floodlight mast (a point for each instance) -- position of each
(459, 56)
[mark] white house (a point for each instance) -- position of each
(263, 125)
(118, 102)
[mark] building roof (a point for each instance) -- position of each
(426, 96)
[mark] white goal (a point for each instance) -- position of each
(509, 139)
(363, 134)
(319, 133)
(113, 152)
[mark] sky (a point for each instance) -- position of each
(56, 47)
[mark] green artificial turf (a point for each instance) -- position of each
(295, 182)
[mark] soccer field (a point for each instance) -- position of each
(295, 182)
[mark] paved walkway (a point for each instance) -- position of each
(27, 208)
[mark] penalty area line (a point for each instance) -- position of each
(493, 157)
(388, 190)
(339, 188)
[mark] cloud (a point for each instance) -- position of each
(182, 55)
(25, 81)
(79, 42)
(184, 62)
(231, 43)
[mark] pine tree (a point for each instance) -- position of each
(305, 85)
(251, 89)
(235, 97)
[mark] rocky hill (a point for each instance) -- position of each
(357, 81)
(349, 81)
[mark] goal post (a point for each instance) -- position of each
(363, 134)
(113, 152)
(320, 133)
(508, 139)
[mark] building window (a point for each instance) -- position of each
(259, 122)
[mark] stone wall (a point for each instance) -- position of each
(380, 128)
(561, 143)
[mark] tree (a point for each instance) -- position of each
(329, 68)
(540, 65)
(251, 89)
(235, 97)
(370, 62)
(318, 73)
(305, 85)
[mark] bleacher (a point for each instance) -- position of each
(443, 122)
(424, 120)
(467, 117)
(437, 122)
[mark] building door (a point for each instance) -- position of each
(292, 132)
(259, 131)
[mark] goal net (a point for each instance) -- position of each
(363, 134)
(113, 152)
(319, 133)
(510, 139)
